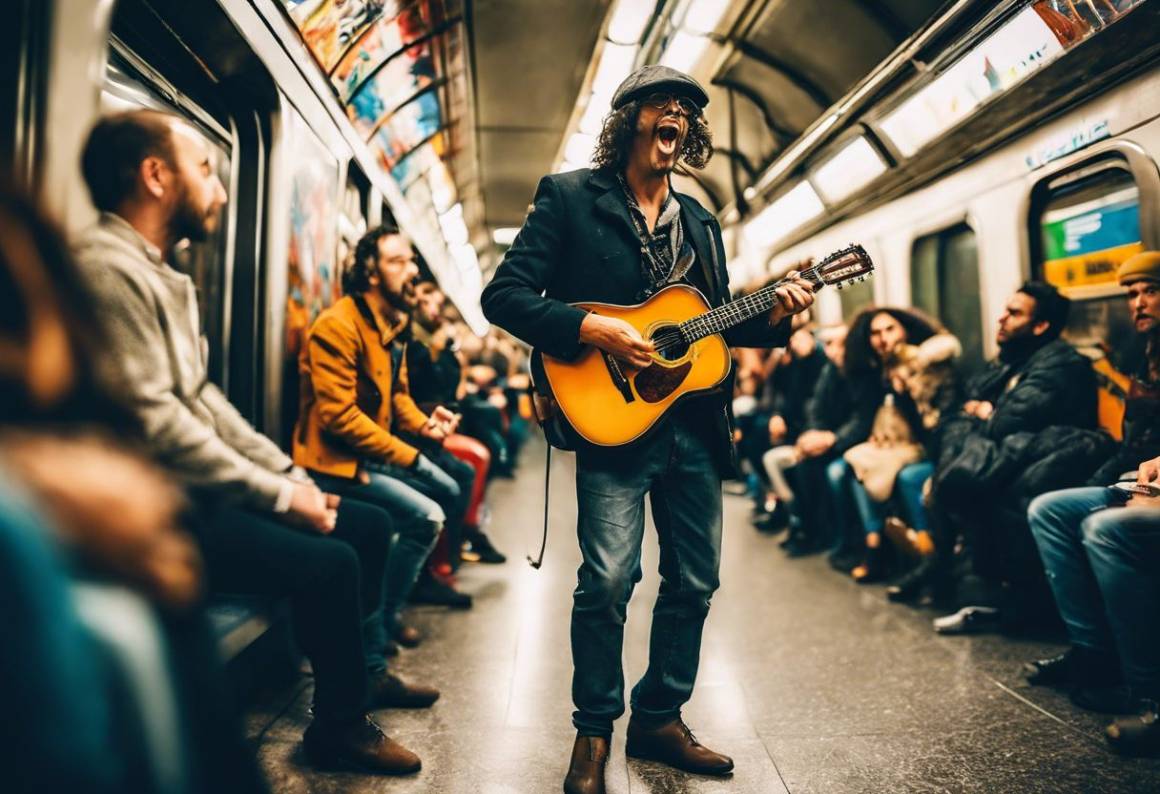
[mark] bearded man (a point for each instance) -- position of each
(617, 233)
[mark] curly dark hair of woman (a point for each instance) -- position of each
(860, 356)
(615, 142)
(357, 278)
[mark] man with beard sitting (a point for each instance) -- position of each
(986, 473)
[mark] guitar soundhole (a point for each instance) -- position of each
(669, 342)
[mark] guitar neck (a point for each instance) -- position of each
(736, 312)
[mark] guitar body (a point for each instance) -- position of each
(608, 404)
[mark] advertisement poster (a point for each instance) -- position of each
(1084, 243)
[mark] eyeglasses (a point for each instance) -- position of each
(662, 100)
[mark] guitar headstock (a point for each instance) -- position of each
(849, 265)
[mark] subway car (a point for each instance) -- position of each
(966, 147)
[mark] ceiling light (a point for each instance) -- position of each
(856, 165)
(684, 51)
(1023, 45)
(781, 218)
(629, 20)
(505, 235)
(703, 16)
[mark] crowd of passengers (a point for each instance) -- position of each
(128, 482)
(992, 497)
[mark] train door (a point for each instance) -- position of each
(944, 282)
(131, 84)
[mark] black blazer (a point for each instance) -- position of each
(579, 244)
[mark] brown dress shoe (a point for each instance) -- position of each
(360, 745)
(586, 773)
(674, 744)
(408, 637)
(391, 692)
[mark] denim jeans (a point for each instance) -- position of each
(908, 487)
(418, 519)
(445, 479)
(1103, 564)
(675, 467)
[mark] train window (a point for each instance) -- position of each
(129, 88)
(1085, 224)
(944, 282)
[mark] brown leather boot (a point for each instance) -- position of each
(674, 744)
(360, 745)
(586, 772)
(391, 692)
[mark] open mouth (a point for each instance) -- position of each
(667, 135)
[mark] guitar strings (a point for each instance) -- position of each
(735, 312)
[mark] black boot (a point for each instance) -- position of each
(910, 587)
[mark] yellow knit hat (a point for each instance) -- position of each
(1144, 265)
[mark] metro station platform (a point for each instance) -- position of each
(811, 682)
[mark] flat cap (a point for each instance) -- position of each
(1144, 265)
(648, 79)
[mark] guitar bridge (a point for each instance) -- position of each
(619, 379)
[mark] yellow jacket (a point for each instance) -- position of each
(346, 368)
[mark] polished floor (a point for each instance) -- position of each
(811, 683)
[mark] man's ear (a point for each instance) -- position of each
(154, 174)
(1040, 328)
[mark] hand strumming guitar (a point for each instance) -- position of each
(618, 338)
(793, 297)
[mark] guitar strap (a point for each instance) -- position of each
(538, 560)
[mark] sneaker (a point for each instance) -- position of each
(968, 620)
(358, 744)
(480, 545)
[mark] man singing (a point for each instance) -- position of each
(617, 233)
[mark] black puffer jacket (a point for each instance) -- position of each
(1055, 385)
(1014, 470)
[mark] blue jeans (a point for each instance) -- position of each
(1103, 564)
(418, 519)
(908, 486)
(675, 467)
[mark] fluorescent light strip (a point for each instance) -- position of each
(853, 167)
(785, 215)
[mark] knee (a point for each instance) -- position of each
(339, 563)
(599, 591)
(836, 472)
(1042, 512)
(1101, 530)
(913, 477)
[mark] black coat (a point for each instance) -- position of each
(844, 406)
(579, 244)
(791, 386)
(1055, 386)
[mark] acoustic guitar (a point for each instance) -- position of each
(608, 404)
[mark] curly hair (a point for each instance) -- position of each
(861, 358)
(615, 142)
(357, 278)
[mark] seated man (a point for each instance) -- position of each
(791, 384)
(1037, 382)
(1101, 551)
(434, 374)
(263, 526)
(354, 394)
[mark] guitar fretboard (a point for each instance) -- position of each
(736, 312)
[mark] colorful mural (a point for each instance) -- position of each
(379, 44)
(396, 82)
(313, 278)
